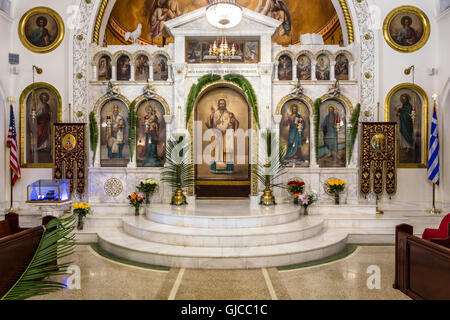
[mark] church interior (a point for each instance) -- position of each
(224, 149)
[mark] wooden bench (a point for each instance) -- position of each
(422, 268)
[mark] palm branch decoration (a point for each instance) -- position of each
(270, 166)
(57, 242)
(132, 121)
(353, 132)
(316, 120)
(179, 170)
(93, 128)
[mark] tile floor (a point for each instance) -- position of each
(103, 279)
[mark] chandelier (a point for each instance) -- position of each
(222, 51)
(224, 14)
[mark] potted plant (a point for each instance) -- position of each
(136, 200)
(148, 187)
(296, 187)
(82, 210)
(336, 187)
(270, 167)
(179, 171)
(306, 199)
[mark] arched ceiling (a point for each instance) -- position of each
(318, 16)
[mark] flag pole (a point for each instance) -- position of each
(11, 209)
(434, 210)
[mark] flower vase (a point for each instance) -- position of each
(337, 199)
(296, 201)
(80, 225)
(305, 212)
(136, 211)
(147, 198)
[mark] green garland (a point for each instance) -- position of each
(195, 91)
(239, 80)
(246, 86)
(93, 128)
(353, 132)
(132, 121)
(316, 120)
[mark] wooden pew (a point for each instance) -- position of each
(422, 268)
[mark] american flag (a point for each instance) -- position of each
(12, 144)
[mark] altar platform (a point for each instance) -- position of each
(238, 235)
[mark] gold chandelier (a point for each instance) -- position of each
(222, 51)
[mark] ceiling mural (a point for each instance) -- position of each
(298, 17)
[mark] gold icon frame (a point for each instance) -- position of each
(426, 29)
(35, 11)
(424, 127)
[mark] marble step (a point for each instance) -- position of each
(223, 218)
(300, 229)
(119, 243)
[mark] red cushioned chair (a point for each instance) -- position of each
(441, 233)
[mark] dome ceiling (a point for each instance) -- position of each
(298, 16)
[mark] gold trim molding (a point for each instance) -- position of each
(98, 21)
(341, 98)
(423, 95)
(155, 97)
(426, 29)
(41, 10)
(22, 103)
(290, 97)
(348, 21)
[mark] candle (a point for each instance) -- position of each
(180, 120)
(268, 118)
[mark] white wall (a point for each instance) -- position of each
(56, 66)
(412, 183)
(5, 91)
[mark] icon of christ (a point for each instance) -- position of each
(226, 123)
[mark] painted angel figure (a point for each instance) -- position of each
(278, 10)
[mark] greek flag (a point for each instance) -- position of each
(433, 160)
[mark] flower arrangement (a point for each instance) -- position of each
(336, 187)
(148, 187)
(136, 200)
(82, 210)
(307, 199)
(295, 187)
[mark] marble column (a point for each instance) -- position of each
(132, 71)
(150, 73)
(114, 73)
(276, 64)
(295, 71)
(313, 71)
(97, 163)
(312, 143)
(94, 73)
(169, 72)
(351, 71)
(332, 71)
(168, 119)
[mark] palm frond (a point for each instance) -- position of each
(56, 243)
(179, 171)
(351, 140)
(132, 122)
(93, 128)
(270, 166)
(317, 105)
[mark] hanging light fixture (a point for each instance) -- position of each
(223, 14)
